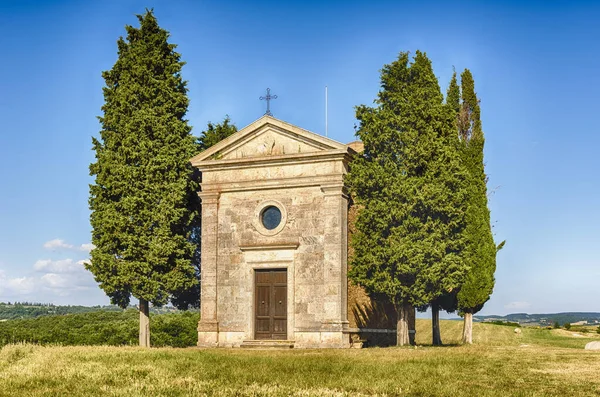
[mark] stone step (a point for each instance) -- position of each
(267, 344)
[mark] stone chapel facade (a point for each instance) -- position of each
(275, 239)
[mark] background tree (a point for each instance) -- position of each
(209, 137)
(447, 301)
(409, 184)
(144, 204)
(215, 133)
(480, 251)
(556, 325)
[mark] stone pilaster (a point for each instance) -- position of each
(208, 326)
(335, 304)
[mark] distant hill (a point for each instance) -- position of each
(544, 319)
(25, 310)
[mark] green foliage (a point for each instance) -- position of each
(19, 310)
(507, 323)
(175, 330)
(453, 95)
(101, 328)
(480, 251)
(144, 205)
(598, 330)
(567, 326)
(215, 133)
(410, 186)
(556, 325)
(448, 301)
(24, 310)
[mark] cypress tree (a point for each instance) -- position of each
(144, 207)
(480, 252)
(215, 133)
(409, 184)
(453, 95)
(447, 301)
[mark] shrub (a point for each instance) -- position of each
(567, 326)
(175, 330)
(556, 325)
(101, 328)
(507, 323)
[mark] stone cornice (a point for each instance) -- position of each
(285, 245)
(265, 122)
(208, 197)
(337, 189)
(270, 161)
(273, 183)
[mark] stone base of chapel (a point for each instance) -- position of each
(321, 339)
(300, 340)
(208, 333)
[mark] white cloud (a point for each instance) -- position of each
(60, 244)
(59, 266)
(18, 285)
(48, 280)
(86, 247)
(55, 281)
(517, 305)
(57, 244)
(21, 285)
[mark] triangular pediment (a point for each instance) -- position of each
(268, 137)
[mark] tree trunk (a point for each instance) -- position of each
(402, 335)
(412, 325)
(144, 323)
(435, 325)
(468, 329)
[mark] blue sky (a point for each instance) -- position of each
(536, 69)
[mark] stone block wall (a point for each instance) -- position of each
(302, 173)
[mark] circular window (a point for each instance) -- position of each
(270, 217)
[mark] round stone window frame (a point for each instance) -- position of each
(258, 225)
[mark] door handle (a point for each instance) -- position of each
(280, 302)
(263, 302)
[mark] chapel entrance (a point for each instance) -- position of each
(270, 303)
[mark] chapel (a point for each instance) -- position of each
(275, 243)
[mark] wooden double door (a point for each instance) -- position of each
(270, 304)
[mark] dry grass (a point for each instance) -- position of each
(536, 363)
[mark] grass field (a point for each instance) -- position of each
(533, 363)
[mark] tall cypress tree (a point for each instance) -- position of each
(480, 252)
(215, 133)
(453, 95)
(448, 300)
(409, 184)
(144, 205)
